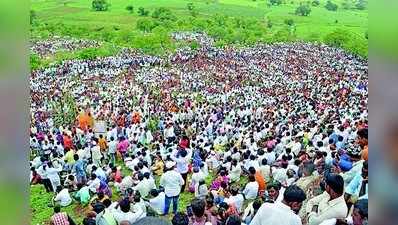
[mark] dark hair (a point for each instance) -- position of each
(363, 133)
(362, 206)
(233, 220)
(57, 208)
(294, 194)
(274, 184)
(154, 192)
(264, 161)
(147, 175)
(336, 183)
(107, 202)
(98, 207)
(88, 221)
(257, 204)
(252, 170)
(180, 218)
(124, 205)
(198, 207)
(76, 157)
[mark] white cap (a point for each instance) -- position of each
(170, 164)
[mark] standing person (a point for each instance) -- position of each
(53, 175)
(251, 188)
(283, 212)
(172, 182)
(96, 154)
(112, 145)
(78, 168)
(182, 159)
(61, 218)
(44, 176)
(330, 204)
(103, 144)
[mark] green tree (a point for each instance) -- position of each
(303, 10)
(32, 17)
(142, 11)
(289, 22)
(99, 5)
(163, 14)
(315, 3)
(338, 38)
(348, 4)
(331, 6)
(190, 6)
(361, 4)
(275, 2)
(130, 8)
(145, 24)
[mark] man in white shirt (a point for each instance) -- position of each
(330, 204)
(158, 201)
(63, 197)
(283, 212)
(236, 198)
(171, 181)
(142, 186)
(121, 211)
(251, 188)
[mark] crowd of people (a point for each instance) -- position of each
(51, 46)
(270, 134)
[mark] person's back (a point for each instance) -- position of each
(275, 213)
(171, 182)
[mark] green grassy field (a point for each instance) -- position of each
(262, 22)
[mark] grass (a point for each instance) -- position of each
(117, 25)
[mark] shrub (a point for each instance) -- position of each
(142, 11)
(130, 8)
(190, 6)
(361, 4)
(145, 25)
(99, 5)
(337, 38)
(289, 22)
(163, 14)
(275, 2)
(331, 6)
(32, 17)
(303, 10)
(315, 3)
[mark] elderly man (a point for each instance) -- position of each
(330, 204)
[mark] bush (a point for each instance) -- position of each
(303, 10)
(99, 5)
(331, 6)
(143, 12)
(361, 4)
(145, 24)
(289, 22)
(315, 3)
(190, 6)
(164, 14)
(275, 2)
(34, 61)
(348, 4)
(32, 17)
(338, 38)
(130, 8)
